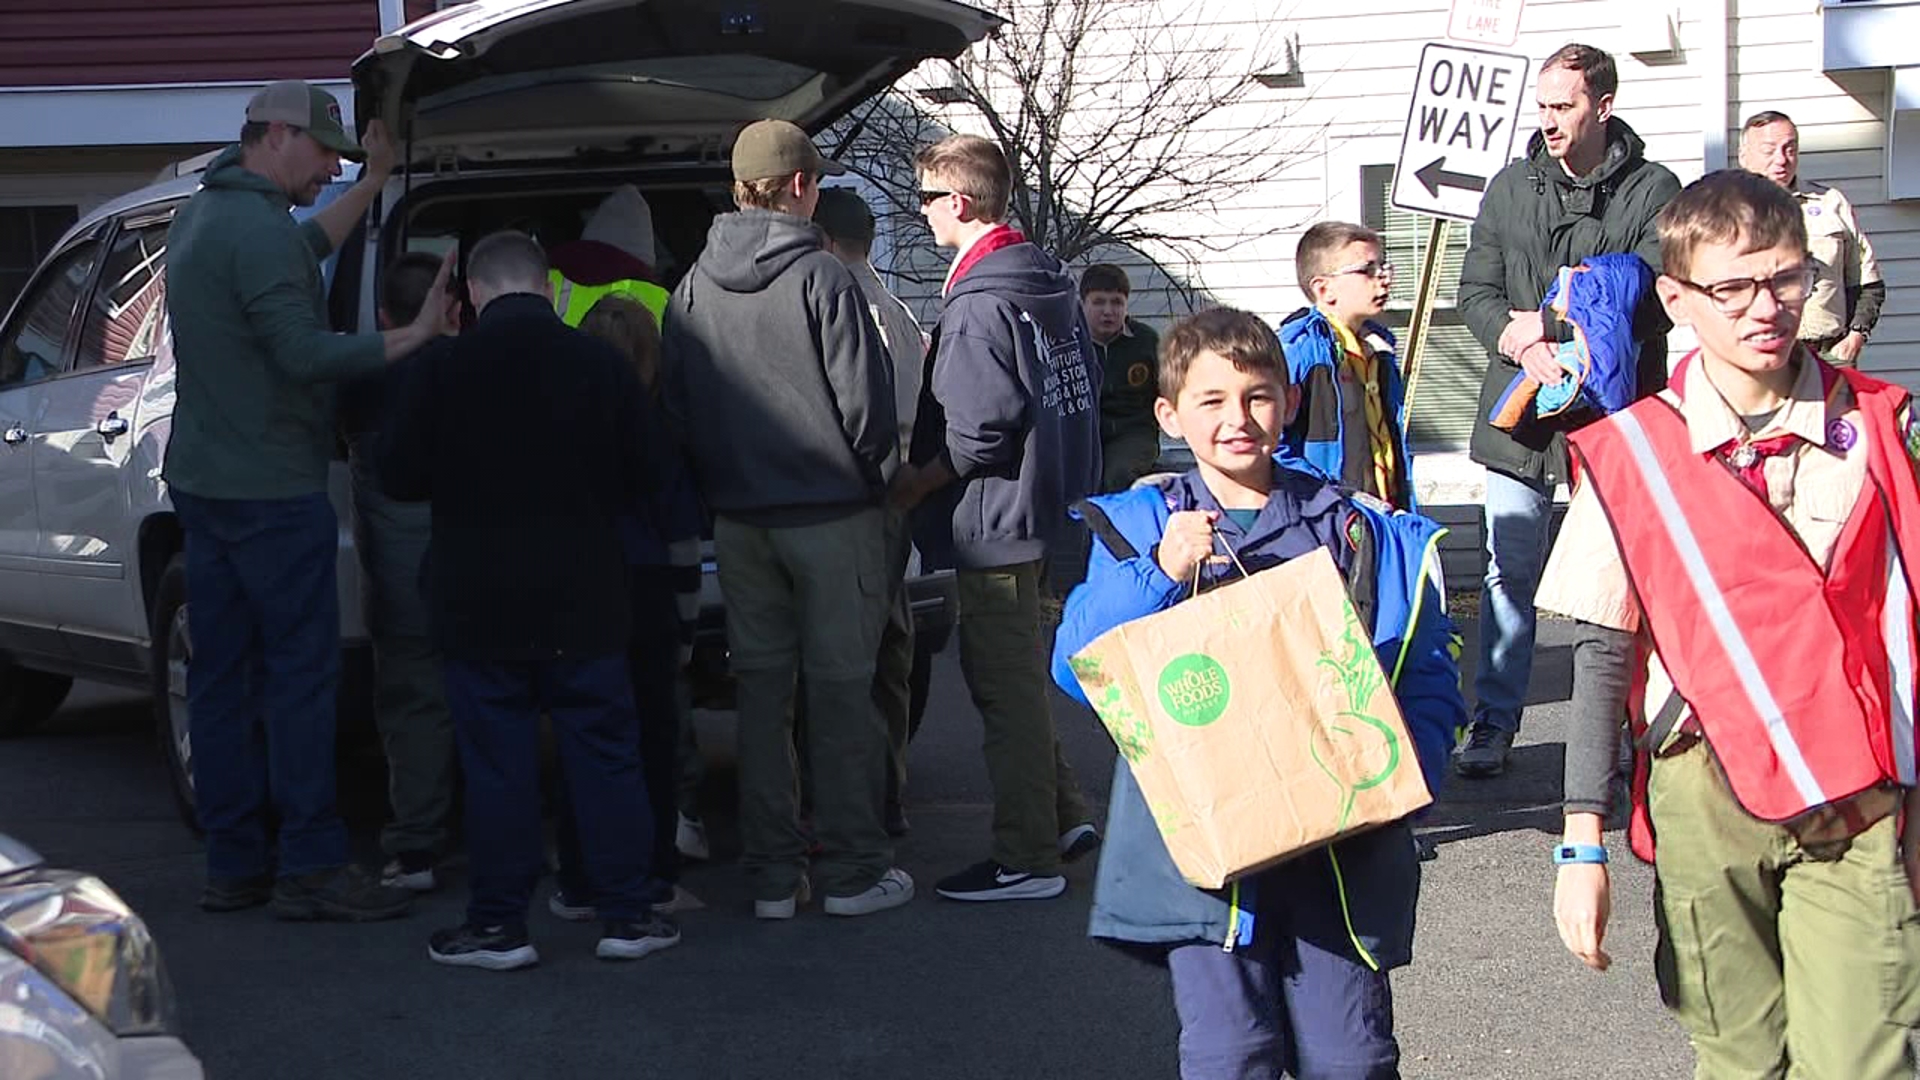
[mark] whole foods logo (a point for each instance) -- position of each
(1194, 689)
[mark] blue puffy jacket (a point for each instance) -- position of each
(1317, 436)
(1598, 300)
(1139, 895)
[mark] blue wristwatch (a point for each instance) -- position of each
(1578, 853)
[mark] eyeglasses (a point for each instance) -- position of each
(1735, 295)
(1382, 271)
(927, 198)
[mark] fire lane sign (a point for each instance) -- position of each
(1460, 129)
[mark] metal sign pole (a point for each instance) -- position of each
(1422, 317)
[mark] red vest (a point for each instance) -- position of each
(1801, 678)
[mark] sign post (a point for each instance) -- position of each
(1460, 131)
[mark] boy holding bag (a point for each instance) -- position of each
(1285, 970)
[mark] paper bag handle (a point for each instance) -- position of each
(1215, 539)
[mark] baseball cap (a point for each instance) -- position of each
(844, 215)
(309, 108)
(770, 148)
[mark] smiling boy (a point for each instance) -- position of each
(1286, 970)
(1736, 551)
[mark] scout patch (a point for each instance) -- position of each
(1355, 529)
(1842, 435)
(1137, 375)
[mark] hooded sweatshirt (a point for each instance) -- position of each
(255, 358)
(1011, 403)
(775, 376)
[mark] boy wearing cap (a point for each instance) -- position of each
(246, 468)
(776, 376)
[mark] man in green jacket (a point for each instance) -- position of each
(1585, 188)
(246, 468)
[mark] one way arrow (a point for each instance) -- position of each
(1435, 176)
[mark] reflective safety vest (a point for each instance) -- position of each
(573, 301)
(1802, 679)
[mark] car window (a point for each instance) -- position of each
(128, 313)
(32, 347)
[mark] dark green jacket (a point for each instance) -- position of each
(1130, 364)
(1534, 220)
(255, 360)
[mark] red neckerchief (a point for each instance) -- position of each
(1002, 236)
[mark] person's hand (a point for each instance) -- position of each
(904, 492)
(1187, 543)
(1848, 348)
(1523, 329)
(1582, 901)
(1538, 360)
(439, 314)
(379, 147)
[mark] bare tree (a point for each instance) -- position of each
(1128, 123)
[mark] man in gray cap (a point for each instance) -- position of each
(776, 377)
(253, 435)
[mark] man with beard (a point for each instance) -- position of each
(253, 434)
(1585, 188)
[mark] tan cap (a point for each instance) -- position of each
(771, 148)
(308, 108)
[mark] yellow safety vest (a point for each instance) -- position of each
(573, 300)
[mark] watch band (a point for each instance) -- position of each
(1578, 853)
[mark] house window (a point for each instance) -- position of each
(1447, 395)
(27, 233)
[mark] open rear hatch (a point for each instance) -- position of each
(524, 80)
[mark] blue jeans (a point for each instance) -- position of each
(496, 715)
(262, 680)
(1517, 516)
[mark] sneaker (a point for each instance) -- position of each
(1079, 842)
(235, 894)
(491, 948)
(680, 901)
(690, 837)
(991, 881)
(623, 940)
(343, 894)
(893, 890)
(784, 909)
(410, 870)
(564, 907)
(1485, 755)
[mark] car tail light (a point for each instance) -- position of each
(79, 934)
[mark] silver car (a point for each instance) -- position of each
(83, 994)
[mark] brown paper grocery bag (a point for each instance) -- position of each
(1256, 719)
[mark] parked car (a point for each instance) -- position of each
(83, 993)
(523, 115)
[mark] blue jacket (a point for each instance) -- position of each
(1139, 895)
(1318, 437)
(1598, 300)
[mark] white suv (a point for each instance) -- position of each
(510, 113)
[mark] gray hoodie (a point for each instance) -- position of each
(776, 378)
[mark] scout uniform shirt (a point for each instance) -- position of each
(1842, 259)
(1812, 488)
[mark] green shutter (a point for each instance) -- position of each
(1448, 392)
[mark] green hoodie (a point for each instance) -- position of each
(255, 359)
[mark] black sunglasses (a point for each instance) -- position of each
(927, 197)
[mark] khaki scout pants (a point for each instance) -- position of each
(1003, 655)
(1780, 960)
(811, 597)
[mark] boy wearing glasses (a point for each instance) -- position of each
(1737, 552)
(1350, 423)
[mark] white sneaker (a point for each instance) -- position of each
(784, 909)
(412, 871)
(564, 908)
(893, 890)
(682, 900)
(690, 836)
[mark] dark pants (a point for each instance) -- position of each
(496, 714)
(653, 669)
(262, 680)
(1290, 1004)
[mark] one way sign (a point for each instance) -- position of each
(1460, 129)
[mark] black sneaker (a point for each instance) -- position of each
(491, 948)
(343, 894)
(991, 881)
(410, 870)
(235, 894)
(1485, 754)
(631, 940)
(1079, 842)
